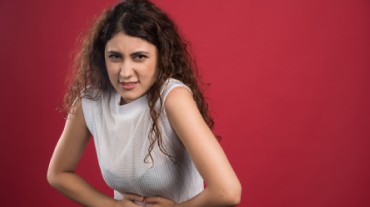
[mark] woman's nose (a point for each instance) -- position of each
(126, 69)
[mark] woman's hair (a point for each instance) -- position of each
(137, 18)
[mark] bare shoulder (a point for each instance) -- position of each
(181, 108)
(179, 96)
(185, 117)
(76, 112)
(75, 123)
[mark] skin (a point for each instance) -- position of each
(133, 61)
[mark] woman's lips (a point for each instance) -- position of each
(128, 85)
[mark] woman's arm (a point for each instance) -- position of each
(223, 187)
(61, 173)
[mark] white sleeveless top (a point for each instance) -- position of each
(121, 140)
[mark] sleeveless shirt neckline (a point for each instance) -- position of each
(128, 107)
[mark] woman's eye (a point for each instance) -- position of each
(139, 57)
(114, 57)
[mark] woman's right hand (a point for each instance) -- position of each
(130, 200)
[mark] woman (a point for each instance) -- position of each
(136, 93)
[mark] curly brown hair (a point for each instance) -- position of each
(138, 18)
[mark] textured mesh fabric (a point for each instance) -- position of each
(121, 140)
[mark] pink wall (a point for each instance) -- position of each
(290, 91)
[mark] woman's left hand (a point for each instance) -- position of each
(157, 201)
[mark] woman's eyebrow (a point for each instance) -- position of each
(141, 52)
(113, 52)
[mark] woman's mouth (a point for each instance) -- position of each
(128, 85)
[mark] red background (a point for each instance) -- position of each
(290, 92)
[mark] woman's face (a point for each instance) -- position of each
(131, 64)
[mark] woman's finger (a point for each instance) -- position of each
(152, 200)
(159, 201)
(133, 197)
